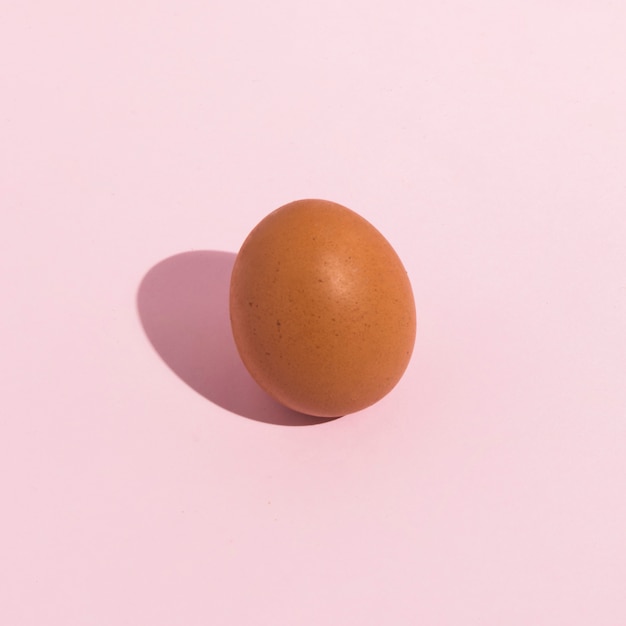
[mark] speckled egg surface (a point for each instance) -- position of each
(321, 308)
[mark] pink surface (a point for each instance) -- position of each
(145, 479)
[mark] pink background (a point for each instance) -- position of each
(143, 477)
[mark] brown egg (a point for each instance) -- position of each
(321, 309)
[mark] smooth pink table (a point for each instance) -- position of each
(145, 480)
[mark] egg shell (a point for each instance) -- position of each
(321, 308)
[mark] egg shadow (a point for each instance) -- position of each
(183, 306)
